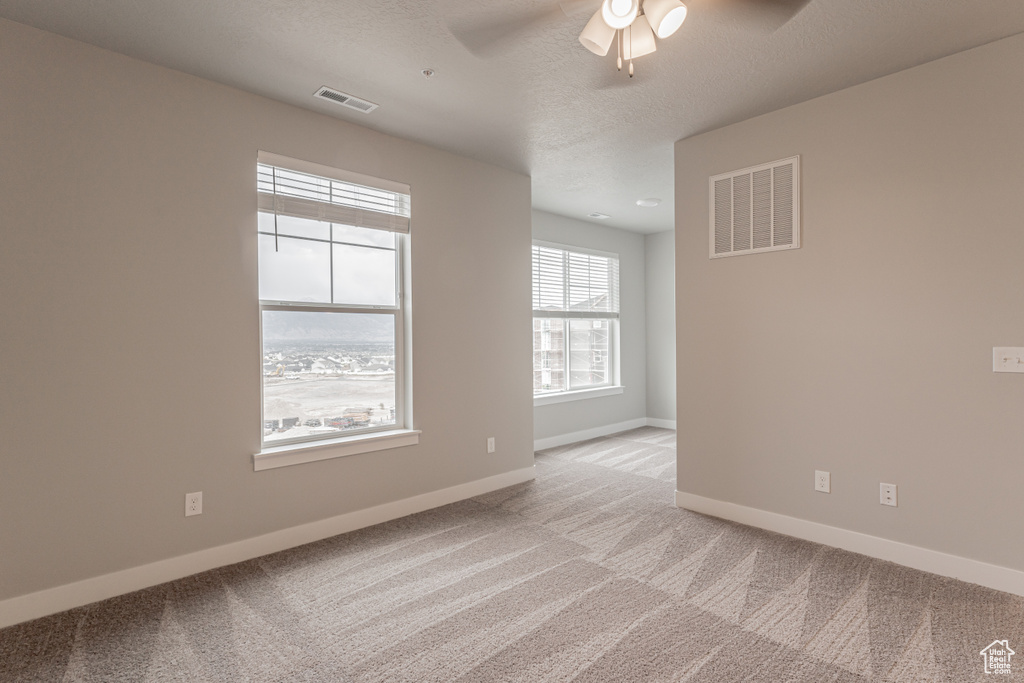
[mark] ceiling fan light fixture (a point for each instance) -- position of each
(638, 39)
(619, 14)
(665, 16)
(597, 36)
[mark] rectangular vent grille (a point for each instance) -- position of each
(756, 209)
(345, 99)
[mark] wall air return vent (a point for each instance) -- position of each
(345, 99)
(756, 209)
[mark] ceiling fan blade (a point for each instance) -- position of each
(571, 8)
(485, 38)
(762, 15)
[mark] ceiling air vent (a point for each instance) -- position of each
(756, 209)
(345, 99)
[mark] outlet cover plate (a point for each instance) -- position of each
(490, 444)
(822, 481)
(193, 503)
(887, 494)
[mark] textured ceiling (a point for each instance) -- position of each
(535, 100)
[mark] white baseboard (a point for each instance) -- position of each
(604, 430)
(953, 566)
(593, 433)
(53, 600)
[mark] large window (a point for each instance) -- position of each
(331, 301)
(575, 314)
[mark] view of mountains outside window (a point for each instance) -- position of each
(575, 310)
(326, 372)
(330, 299)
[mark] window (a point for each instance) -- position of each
(331, 301)
(575, 313)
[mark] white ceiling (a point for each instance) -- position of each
(591, 138)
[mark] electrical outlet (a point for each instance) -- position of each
(822, 481)
(193, 503)
(887, 494)
(490, 444)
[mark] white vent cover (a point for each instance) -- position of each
(756, 209)
(345, 99)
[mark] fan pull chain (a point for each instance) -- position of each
(618, 48)
(631, 50)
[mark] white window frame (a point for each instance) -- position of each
(614, 384)
(291, 451)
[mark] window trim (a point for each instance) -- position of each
(325, 449)
(297, 450)
(574, 248)
(614, 384)
(576, 395)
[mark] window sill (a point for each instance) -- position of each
(562, 397)
(298, 453)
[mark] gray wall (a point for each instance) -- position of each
(576, 416)
(868, 352)
(130, 360)
(659, 260)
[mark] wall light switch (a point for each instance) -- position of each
(1008, 359)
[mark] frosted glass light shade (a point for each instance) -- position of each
(619, 13)
(638, 39)
(597, 36)
(666, 16)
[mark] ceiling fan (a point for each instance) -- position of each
(634, 30)
(634, 26)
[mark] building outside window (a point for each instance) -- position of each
(575, 314)
(331, 252)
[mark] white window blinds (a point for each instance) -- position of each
(569, 284)
(285, 189)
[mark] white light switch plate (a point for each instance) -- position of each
(1008, 359)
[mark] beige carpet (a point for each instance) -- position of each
(587, 574)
